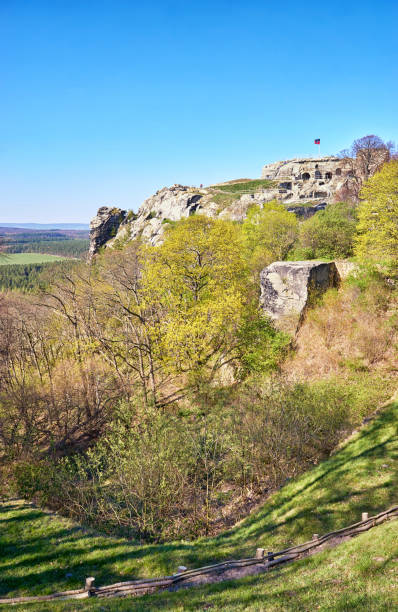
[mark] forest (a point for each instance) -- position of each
(65, 243)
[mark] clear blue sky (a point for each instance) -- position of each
(105, 101)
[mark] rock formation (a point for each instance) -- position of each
(104, 227)
(287, 288)
(309, 180)
(303, 185)
(167, 204)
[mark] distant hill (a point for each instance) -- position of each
(47, 226)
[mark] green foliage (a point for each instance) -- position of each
(131, 216)
(262, 346)
(268, 234)
(197, 279)
(328, 234)
(169, 222)
(153, 469)
(377, 238)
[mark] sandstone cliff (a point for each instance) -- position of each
(303, 185)
(104, 227)
(307, 179)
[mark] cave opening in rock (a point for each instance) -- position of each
(305, 176)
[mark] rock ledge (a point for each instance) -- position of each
(287, 288)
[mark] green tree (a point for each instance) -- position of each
(377, 237)
(198, 282)
(329, 233)
(269, 232)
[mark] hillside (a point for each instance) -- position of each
(362, 475)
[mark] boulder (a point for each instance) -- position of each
(288, 287)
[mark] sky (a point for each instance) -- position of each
(102, 102)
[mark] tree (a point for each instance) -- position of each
(269, 232)
(370, 153)
(377, 237)
(365, 156)
(209, 320)
(329, 233)
(196, 282)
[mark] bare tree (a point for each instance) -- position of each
(365, 156)
(370, 152)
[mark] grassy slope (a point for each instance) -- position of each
(227, 193)
(8, 259)
(38, 550)
(246, 186)
(361, 574)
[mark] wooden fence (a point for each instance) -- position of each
(268, 560)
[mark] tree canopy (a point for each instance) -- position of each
(268, 233)
(377, 237)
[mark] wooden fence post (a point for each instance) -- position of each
(365, 516)
(315, 536)
(89, 583)
(260, 553)
(270, 556)
(181, 569)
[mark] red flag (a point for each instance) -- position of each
(317, 141)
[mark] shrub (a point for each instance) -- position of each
(328, 234)
(161, 475)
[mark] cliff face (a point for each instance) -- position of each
(310, 180)
(303, 185)
(104, 227)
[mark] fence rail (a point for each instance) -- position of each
(267, 559)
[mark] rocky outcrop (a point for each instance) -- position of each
(303, 185)
(346, 268)
(305, 212)
(104, 227)
(287, 288)
(167, 204)
(308, 179)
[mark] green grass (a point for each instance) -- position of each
(360, 574)
(39, 550)
(226, 194)
(8, 259)
(246, 186)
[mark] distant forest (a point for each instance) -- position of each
(29, 277)
(66, 244)
(64, 247)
